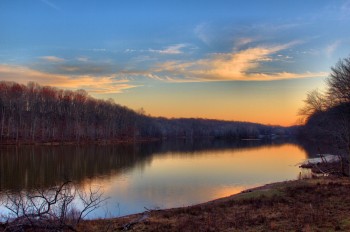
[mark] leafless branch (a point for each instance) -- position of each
(50, 209)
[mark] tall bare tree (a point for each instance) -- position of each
(328, 115)
(339, 81)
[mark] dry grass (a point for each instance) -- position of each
(304, 205)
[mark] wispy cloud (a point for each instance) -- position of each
(240, 65)
(83, 69)
(330, 49)
(77, 66)
(83, 59)
(52, 59)
(50, 4)
(202, 33)
(98, 50)
(244, 63)
(98, 85)
(243, 41)
(250, 77)
(170, 50)
(345, 9)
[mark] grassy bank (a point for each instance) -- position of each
(302, 205)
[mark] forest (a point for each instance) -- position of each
(37, 114)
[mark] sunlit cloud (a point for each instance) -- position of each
(93, 84)
(240, 65)
(251, 77)
(54, 59)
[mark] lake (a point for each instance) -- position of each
(153, 175)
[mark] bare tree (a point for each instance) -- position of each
(339, 81)
(51, 209)
(314, 103)
(328, 115)
(339, 91)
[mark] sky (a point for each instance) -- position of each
(245, 60)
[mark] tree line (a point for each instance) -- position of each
(327, 113)
(34, 113)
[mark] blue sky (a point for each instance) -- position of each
(214, 59)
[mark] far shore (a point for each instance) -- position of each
(126, 140)
(81, 142)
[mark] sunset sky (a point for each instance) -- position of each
(233, 60)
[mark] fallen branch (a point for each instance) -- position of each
(129, 225)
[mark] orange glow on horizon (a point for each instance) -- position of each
(270, 113)
(272, 103)
(267, 119)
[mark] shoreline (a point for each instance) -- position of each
(273, 206)
(78, 143)
(126, 140)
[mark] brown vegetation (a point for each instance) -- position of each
(304, 205)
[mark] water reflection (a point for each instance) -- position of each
(28, 167)
(174, 180)
(160, 174)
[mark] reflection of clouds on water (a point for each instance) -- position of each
(46, 166)
(168, 174)
(173, 181)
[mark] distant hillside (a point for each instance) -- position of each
(32, 113)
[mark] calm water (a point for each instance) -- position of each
(154, 175)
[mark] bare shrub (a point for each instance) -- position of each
(52, 209)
